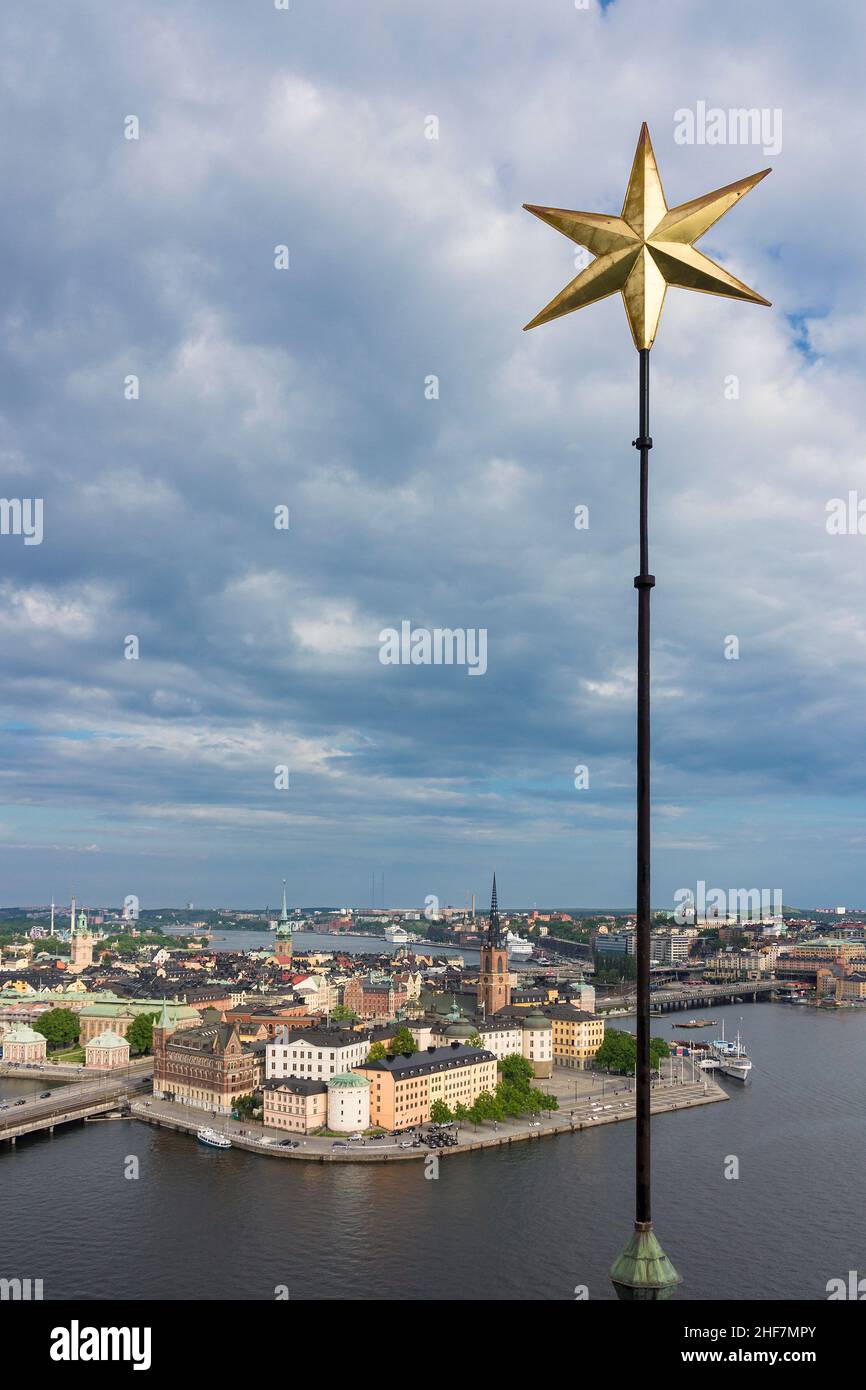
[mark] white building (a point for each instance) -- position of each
(316, 1053)
(348, 1103)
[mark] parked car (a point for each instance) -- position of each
(339, 1144)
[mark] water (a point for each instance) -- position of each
(322, 941)
(532, 1222)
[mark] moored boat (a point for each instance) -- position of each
(731, 1057)
(213, 1138)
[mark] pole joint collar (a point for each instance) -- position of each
(643, 441)
(644, 581)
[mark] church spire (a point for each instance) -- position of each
(494, 930)
(284, 916)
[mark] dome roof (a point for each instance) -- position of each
(460, 1028)
(535, 1020)
(107, 1039)
(348, 1078)
(22, 1033)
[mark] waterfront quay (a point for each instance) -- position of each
(587, 1100)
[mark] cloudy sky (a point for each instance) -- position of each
(410, 257)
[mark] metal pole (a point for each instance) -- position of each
(643, 583)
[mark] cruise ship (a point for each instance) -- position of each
(518, 945)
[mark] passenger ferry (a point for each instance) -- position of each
(213, 1138)
(732, 1057)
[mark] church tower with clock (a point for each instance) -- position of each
(494, 989)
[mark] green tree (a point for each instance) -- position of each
(139, 1035)
(618, 1052)
(439, 1113)
(246, 1107)
(403, 1041)
(342, 1014)
(461, 1113)
(59, 1027)
(377, 1052)
(516, 1069)
(475, 1040)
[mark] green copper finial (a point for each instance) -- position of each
(643, 1271)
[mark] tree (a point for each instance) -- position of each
(618, 1052)
(461, 1113)
(341, 1014)
(516, 1069)
(139, 1035)
(59, 1027)
(475, 1040)
(403, 1041)
(439, 1113)
(377, 1052)
(245, 1107)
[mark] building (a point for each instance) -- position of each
(118, 1014)
(803, 959)
(512, 1032)
(374, 996)
(668, 945)
(614, 943)
(23, 1044)
(298, 1104)
(494, 986)
(577, 1035)
(348, 1103)
(283, 951)
(403, 1089)
(107, 1051)
(842, 985)
(81, 942)
(207, 1067)
(318, 1053)
(538, 1042)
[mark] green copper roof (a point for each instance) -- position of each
(643, 1270)
(108, 1039)
(348, 1078)
(22, 1033)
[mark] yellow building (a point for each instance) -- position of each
(577, 1036)
(403, 1089)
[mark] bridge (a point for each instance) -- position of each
(69, 1103)
(703, 995)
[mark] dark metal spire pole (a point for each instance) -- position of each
(643, 1271)
(643, 583)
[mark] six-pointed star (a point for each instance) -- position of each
(646, 248)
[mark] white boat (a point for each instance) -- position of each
(732, 1057)
(518, 945)
(213, 1138)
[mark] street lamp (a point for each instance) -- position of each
(639, 254)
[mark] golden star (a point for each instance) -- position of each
(646, 248)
